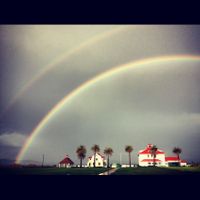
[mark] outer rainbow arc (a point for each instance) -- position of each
(61, 58)
(87, 84)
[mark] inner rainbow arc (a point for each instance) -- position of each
(87, 84)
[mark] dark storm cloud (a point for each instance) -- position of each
(26, 49)
(120, 111)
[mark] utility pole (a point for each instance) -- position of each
(120, 158)
(42, 160)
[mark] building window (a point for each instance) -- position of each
(99, 163)
(148, 155)
(96, 158)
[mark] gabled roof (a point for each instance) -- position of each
(147, 150)
(151, 160)
(66, 160)
(98, 154)
(101, 155)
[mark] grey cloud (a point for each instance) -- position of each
(165, 98)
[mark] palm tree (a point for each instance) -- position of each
(177, 151)
(108, 151)
(153, 151)
(129, 149)
(81, 153)
(95, 149)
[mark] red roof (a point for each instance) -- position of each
(172, 158)
(66, 160)
(151, 160)
(183, 161)
(148, 150)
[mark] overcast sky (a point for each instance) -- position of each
(156, 104)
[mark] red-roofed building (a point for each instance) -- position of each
(100, 161)
(66, 162)
(174, 161)
(145, 158)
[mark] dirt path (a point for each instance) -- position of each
(110, 171)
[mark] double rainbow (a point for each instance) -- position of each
(73, 94)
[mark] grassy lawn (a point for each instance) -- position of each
(158, 171)
(96, 171)
(51, 171)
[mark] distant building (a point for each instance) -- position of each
(100, 161)
(145, 158)
(173, 161)
(66, 162)
(115, 165)
(127, 165)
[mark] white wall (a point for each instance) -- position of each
(99, 161)
(183, 164)
(141, 157)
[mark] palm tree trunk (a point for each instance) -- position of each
(95, 159)
(80, 162)
(129, 159)
(154, 162)
(179, 159)
(108, 162)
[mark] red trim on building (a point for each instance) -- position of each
(183, 161)
(148, 150)
(172, 158)
(151, 160)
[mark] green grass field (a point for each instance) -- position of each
(51, 171)
(96, 171)
(158, 171)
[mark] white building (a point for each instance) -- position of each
(173, 161)
(100, 161)
(145, 158)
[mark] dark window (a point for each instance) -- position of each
(99, 163)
